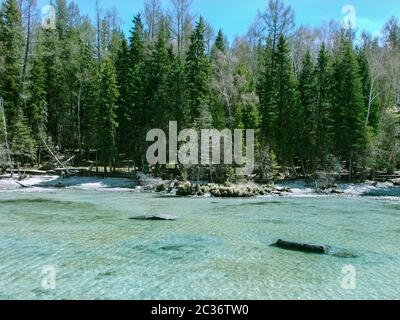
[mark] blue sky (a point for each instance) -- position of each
(235, 16)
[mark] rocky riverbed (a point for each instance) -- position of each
(147, 184)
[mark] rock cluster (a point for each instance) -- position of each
(329, 189)
(228, 190)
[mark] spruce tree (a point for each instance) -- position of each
(278, 98)
(135, 110)
(89, 80)
(36, 108)
(267, 92)
(107, 115)
(221, 66)
(23, 145)
(219, 45)
(307, 120)
(324, 112)
(122, 69)
(157, 69)
(177, 90)
(11, 42)
(197, 70)
(350, 136)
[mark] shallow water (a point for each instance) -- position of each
(217, 249)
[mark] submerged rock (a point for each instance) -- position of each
(302, 247)
(342, 254)
(314, 248)
(395, 182)
(161, 187)
(330, 189)
(158, 217)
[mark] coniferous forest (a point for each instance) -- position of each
(321, 99)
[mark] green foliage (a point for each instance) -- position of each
(323, 108)
(23, 145)
(278, 97)
(107, 114)
(307, 118)
(11, 43)
(385, 150)
(350, 135)
(197, 72)
(36, 108)
(90, 88)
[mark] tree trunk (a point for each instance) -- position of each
(97, 162)
(79, 120)
(351, 167)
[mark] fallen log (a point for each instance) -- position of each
(159, 217)
(21, 185)
(302, 247)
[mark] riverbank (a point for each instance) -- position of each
(175, 188)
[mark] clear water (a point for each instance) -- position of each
(217, 249)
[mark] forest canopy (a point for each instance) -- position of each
(319, 98)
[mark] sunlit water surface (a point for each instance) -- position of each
(217, 249)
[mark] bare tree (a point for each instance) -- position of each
(152, 17)
(391, 33)
(209, 36)
(29, 8)
(180, 22)
(391, 62)
(277, 19)
(304, 39)
(98, 34)
(374, 55)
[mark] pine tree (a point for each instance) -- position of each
(54, 84)
(197, 70)
(88, 78)
(350, 134)
(157, 70)
(136, 113)
(324, 111)
(219, 45)
(278, 98)
(122, 69)
(11, 42)
(267, 91)
(36, 108)
(177, 90)
(23, 145)
(107, 115)
(247, 107)
(306, 118)
(222, 75)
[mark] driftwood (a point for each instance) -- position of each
(21, 185)
(63, 165)
(302, 247)
(159, 217)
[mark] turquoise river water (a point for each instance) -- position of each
(217, 249)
